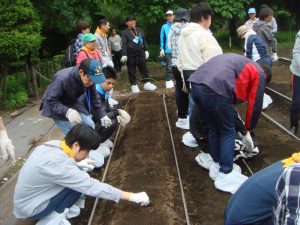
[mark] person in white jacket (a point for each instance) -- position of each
(51, 181)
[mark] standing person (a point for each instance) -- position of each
(88, 50)
(165, 50)
(182, 99)
(115, 44)
(216, 85)
(272, 23)
(83, 27)
(61, 99)
(252, 18)
(102, 42)
(50, 180)
(135, 53)
(263, 30)
(295, 80)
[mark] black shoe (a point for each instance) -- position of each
(294, 130)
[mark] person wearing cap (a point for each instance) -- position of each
(252, 17)
(88, 50)
(182, 18)
(165, 50)
(50, 183)
(83, 27)
(135, 53)
(254, 47)
(61, 99)
(102, 42)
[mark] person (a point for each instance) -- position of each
(165, 50)
(135, 53)
(61, 99)
(182, 18)
(273, 24)
(263, 30)
(88, 50)
(256, 202)
(252, 18)
(295, 80)
(6, 147)
(236, 79)
(254, 47)
(50, 181)
(83, 27)
(102, 42)
(115, 44)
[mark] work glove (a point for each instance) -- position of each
(73, 116)
(124, 59)
(146, 54)
(123, 118)
(106, 121)
(140, 198)
(86, 164)
(274, 57)
(162, 53)
(247, 143)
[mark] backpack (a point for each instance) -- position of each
(68, 60)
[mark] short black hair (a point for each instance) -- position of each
(199, 11)
(110, 72)
(265, 12)
(102, 21)
(267, 69)
(82, 25)
(86, 137)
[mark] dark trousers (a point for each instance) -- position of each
(63, 200)
(137, 59)
(105, 133)
(182, 99)
(117, 55)
(168, 73)
(218, 114)
(295, 107)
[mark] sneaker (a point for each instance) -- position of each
(149, 86)
(135, 89)
(214, 170)
(189, 140)
(183, 123)
(112, 102)
(204, 160)
(230, 182)
(169, 84)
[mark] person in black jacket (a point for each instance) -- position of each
(135, 52)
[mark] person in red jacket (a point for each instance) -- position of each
(223, 81)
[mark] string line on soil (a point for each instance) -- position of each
(248, 167)
(177, 166)
(278, 93)
(105, 171)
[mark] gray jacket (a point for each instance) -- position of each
(295, 66)
(46, 173)
(263, 30)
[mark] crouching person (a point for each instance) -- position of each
(51, 182)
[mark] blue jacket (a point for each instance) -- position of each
(64, 93)
(164, 32)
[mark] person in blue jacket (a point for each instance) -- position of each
(165, 50)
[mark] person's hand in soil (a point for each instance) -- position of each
(140, 198)
(123, 118)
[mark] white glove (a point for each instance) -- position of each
(146, 54)
(106, 121)
(124, 59)
(86, 163)
(123, 118)
(6, 147)
(73, 116)
(274, 57)
(162, 53)
(140, 198)
(247, 143)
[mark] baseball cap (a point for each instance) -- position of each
(88, 38)
(169, 12)
(129, 18)
(251, 11)
(93, 68)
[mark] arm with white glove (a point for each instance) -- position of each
(124, 59)
(73, 116)
(140, 198)
(123, 118)
(146, 54)
(106, 122)
(6, 146)
(248, 144)
(86, 164)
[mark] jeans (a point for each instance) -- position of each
(182, 99)
(295, 107)
(65, 125)
(63, 200)
(268, 221)
(218, 114)
(168, 73)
